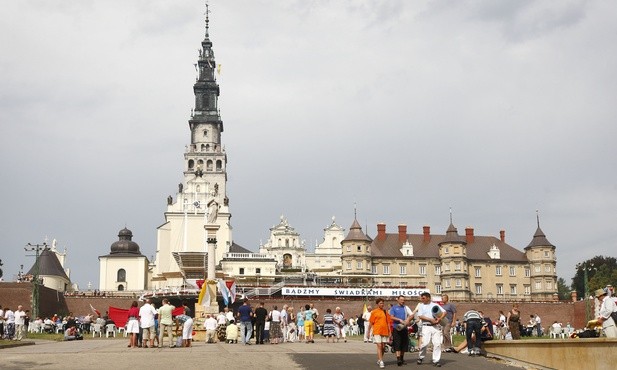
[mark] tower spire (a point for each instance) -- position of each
(538, 218)
(207, 18)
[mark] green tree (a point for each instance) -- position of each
(598, 265)
(563, 290)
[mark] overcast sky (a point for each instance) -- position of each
(405, 108)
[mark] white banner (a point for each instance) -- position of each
(353, 292)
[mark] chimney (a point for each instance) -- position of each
(402, 233)
(381, 231)
(469, 234)
(427, 233)
(502, 235)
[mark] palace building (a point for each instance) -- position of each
(467, 266)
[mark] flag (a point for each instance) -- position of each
(202, 292)
(231, 286)
(364, 309)
(94, 310)
(218, 69)
(224, 291)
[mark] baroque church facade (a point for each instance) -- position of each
(464, 266)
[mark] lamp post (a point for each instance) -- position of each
(586, 293)
(37, 249)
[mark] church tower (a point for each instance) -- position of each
(181, 240)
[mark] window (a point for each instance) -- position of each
(478, 272)
(437, 270)
(447, 283)
(547, 254)
(538, 285)
(258, 270)
(241, 271)
(527, 272)
(386, 269)
(121, 275)
(120, 287)
(512, 289)
(547, 268)
(360, 265)
(512, 271)
(359, 248)
(459, 283)
(403, 270)
(549, 284)
(457, 266)
(348, 265)
(527, 289)
(446, 266)
(538, 268)
(349, 248)
(498, 270)
(422, 269)
(499, 288)
(373, 269)
(438, 288)
(478, 288)
(446, 250)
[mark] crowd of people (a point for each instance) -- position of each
(395, 328)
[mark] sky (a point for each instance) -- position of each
(396, 110)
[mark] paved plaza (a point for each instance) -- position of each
(113, 353)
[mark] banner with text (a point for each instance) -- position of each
(353, 292)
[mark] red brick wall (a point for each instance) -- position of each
(13, 294)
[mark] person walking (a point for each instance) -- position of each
(20, 322)
(366, 316)
(430, 315)
(381, 324)
(514, 322)
(401, 316)
(449, 321)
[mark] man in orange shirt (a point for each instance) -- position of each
(381, 323)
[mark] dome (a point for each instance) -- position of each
(124, 244)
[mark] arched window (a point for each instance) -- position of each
(121, 275)
(191, 163)
(120, 287)
(203, 147)
(209, 165)
(219, 165)
(207, 147)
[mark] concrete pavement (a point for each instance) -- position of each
(113, 353)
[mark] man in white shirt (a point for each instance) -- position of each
(9, 324)
(431, 315)
(20, 316)
(228, 314)
(210, 326)
(606, 313)
(146, 322)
